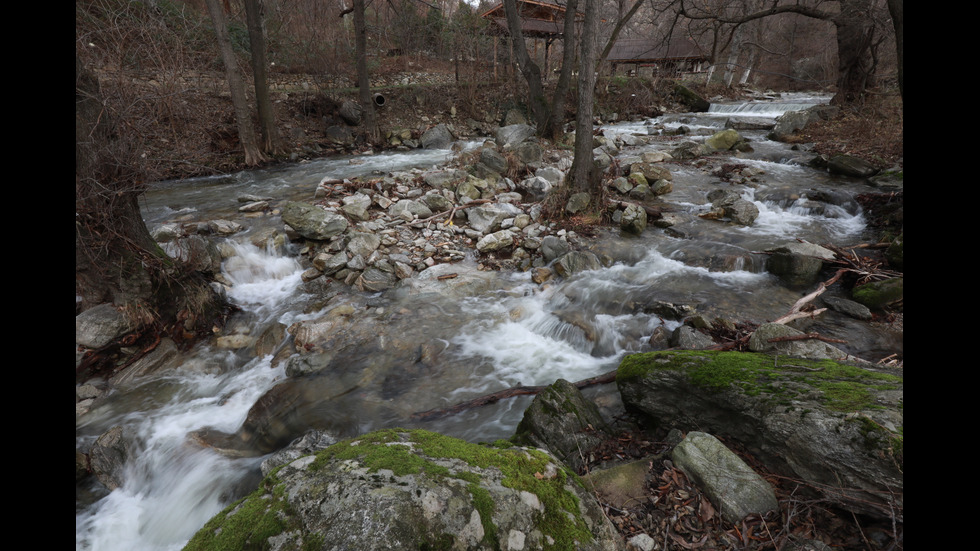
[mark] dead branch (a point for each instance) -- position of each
(795, 310)
(492, 398)
(804, 337)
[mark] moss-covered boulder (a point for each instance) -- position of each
(563, 421)
(412, 490)
(836, 426)
(691, 99)
(879, 294)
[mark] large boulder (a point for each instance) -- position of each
(100, 325)
(835, 426)
(510, 136)
(563, 421)
(725, 478)
(691, 99)
(849, 165)
(437, 137)
(798, 264)
(313, 222)
(396, 489)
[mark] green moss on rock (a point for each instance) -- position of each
(843, 387)
(246, 524)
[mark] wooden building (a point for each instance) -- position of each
(541, 21)
(670, 58)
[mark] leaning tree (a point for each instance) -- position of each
(854, 22)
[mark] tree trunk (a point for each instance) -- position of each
(539, 105)
(855, 29)
(363, 80)
(243, 115)
(583, 168)
(116, 259)
(255, 15)
(897, 11)
(556, 118)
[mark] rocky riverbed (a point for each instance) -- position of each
(401, 229)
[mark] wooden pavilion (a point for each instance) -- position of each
(541, 20)
(678, 55)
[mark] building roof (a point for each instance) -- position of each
(539, 18)
(640, 50)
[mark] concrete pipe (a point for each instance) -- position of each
(379, 100)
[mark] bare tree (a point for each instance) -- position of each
(583, 172)
(243, 114)
(255, 17)
(369, 117)
(852, 19)
(897, 11)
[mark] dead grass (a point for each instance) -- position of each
(872, 131)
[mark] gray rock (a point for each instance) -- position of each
(108, 458)
(493, 160)
(848, 165)
(798, 264)
(724, 140)
(374, 280)
(634, 219)
(563, 421)
(807, 348)
(739, 211)
(100, 325)
(437, 137)
(487, 218)
(553, 247)
(509, 136)
(495, 241)
(848, 307)
(735, 489)
(622, 185)
(313, 222)
(224, 227)
(536, 188)
(356, 206)
(409, 209)
(577, 202)
(789, 123)
(576, 261)
(686, 337)
(551, 174)
(351, 112)
(444, 178)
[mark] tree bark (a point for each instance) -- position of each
(369, 116)
(243, 115)
(582, 172)
(255, 17)
(556, 118)
(855, 30)
(897, 11)
(538, 103)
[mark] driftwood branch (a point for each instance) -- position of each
(794, 312)
(492, 398)
(806, 336)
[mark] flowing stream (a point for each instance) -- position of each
(503, 332)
